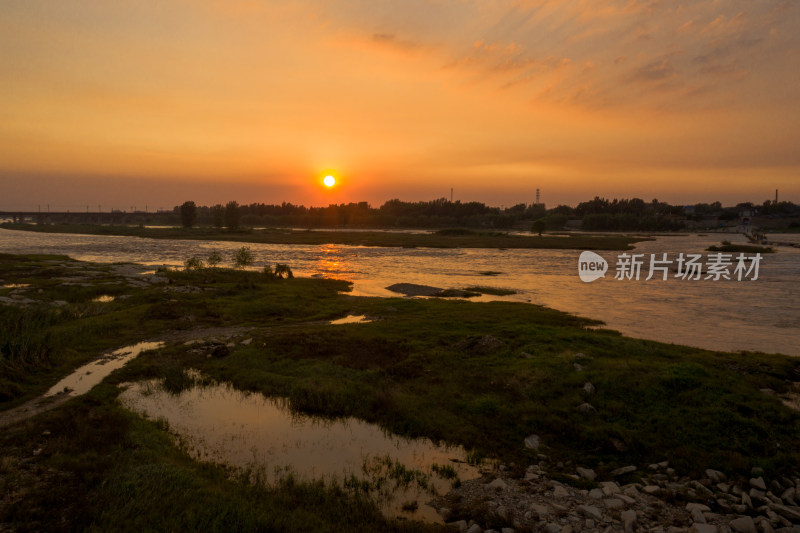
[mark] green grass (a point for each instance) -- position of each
(102, 468)
(482, 375)
(440, 239)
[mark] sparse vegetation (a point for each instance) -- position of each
(482, 375)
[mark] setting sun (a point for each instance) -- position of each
(329, 181)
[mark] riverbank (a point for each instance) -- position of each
(434, 239)
(486, 376)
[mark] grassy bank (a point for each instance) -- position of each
(439, 239)
(482, 375)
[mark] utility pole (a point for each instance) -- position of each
(451, 195)
(776, 196)
(537, 196)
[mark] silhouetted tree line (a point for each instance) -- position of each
(598, 214)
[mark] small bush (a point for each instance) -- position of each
(193, 263)
(243, 258)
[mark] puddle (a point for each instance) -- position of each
(250, 431)
(84, 378)
(105, 298)
(16, 285)
(351, 319)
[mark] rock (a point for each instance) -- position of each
(758, 483)
(507, 530)
(631, 492)
(474, 528)
(609, 488)
(586, 473)
(445, 513)
(698, 517)
(498, 484)
(628, 520)
(622, 471)
(788, 494)
(743, 524)
(412, 289)
(540, 510)
(746, 500)
(757, 471)
(586, 408)
(625, 498)
(589, 388)
(578, 367)
(533, 442)
(614, 503)
(596, 494)
(703, 528)
(652, 490)
(715, 476)
(461, 525)
(247, 342)
(590, 511)
(560, 492)
(699, 506)
(552, 528)
(792, 513)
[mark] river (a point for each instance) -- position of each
(748, 315)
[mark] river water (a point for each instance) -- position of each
(752, 315)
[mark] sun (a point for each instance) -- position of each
(329, 181)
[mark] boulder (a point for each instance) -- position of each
(586, 473)
(533, 442)
(498, 484)
(590, 511)
(758, 483)
(628, 520)
(623, 470)
(743, 524)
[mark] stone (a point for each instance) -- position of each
(540, 510)
(552, 528)
(699, 506)
(743, 524)
(475, 528)
(609, 488)
(703, 528)
(628, 520)
(507, 530)
(631, 491)
(586, 473)
(652, 490)
(461, 525)
(589, 388)
(560, 492)
(625, 498)
(533, 442)
(590, 511)
(698, 517)
(501, 512)
(498, 484)
(623, 470)
(788, 494)
(596, 494)
(613, 503)
(715, 475)
(792, 513)
(757, 471)
(586, 408)
(758, 483)
(746, 500)
(445, 513)
(247, 342)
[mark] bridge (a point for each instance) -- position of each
(87, 217)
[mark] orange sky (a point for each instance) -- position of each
(130, 103)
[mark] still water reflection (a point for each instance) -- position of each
(762, 315)
(221, 424)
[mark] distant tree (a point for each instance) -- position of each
(538, 226)
(218, 214)
(283, 271)
(232, 215)
(188, 214)
(193, 263)
(242, 258)
(214, 258)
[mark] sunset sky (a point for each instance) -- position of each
(131, 103)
